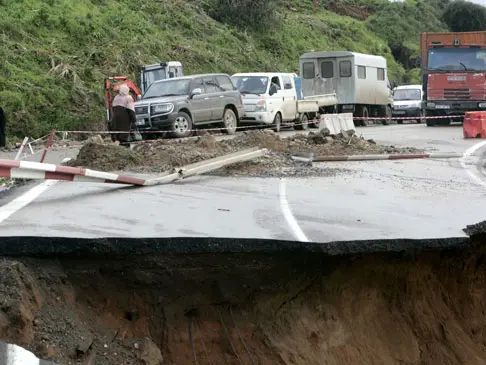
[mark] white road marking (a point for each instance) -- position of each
(29, 196)
(289, 217)
(469, 152)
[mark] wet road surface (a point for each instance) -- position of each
(369, 200)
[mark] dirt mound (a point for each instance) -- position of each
(231, 308)
(164, 155)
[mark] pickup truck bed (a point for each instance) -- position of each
(323, 100)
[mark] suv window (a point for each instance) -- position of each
(224, 83)
(198, 84)
(210, 85)
(287, 83)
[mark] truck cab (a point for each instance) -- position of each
(159, 71)
(453, 74)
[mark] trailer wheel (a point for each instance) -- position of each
(364, 114)
(303, 124)
(388, 116)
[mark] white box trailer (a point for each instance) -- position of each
(360, 82)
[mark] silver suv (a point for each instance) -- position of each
(182, 103)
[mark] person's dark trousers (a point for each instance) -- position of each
(3, 134)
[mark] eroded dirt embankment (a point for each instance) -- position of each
(307, 304)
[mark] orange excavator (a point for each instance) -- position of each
(112, 84)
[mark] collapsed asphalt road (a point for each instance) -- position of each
(185, 301)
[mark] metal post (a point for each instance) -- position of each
(21, 147)
(49, 144)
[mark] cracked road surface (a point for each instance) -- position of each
(368, 200)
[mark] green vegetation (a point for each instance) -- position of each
(56, 53)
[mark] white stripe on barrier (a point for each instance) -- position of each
(368, 157)
(100, 175)
(22, 173)
(36, 166)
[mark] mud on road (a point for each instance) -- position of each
(186, 301)
(164, 155)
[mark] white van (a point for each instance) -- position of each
(271, 98)
(407, 102)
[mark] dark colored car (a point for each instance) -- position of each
(180, 104)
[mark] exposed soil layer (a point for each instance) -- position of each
(163, 155)
(283, 306)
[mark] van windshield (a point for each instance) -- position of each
(170, 87)
(251, 84)
(407, 94)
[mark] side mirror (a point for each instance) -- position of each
(139, 97)
(395, 83)
(195, 92)
(273, 90)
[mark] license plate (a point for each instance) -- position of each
(401, 112)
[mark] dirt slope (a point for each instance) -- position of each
(286, 307)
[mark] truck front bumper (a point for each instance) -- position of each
(446, 107)
(409, 112)
(156, 123)
(258, 117)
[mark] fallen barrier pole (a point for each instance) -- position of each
(385, 157)
(16, 169)
(207, 166)
(21, 148)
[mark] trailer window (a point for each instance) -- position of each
(327, 70)
(361, 72)
(308, 70)
(345, 69)
(380, 74)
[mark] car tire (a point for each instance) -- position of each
(230, 121)
(277, 122)
(182, 125)
(303, 123)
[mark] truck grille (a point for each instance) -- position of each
(460, 94)
(141, 109)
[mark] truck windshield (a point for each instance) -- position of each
(407, 94)
(170, 87)
(251, 84)
(457, 59)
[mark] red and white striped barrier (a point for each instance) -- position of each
(15, 169)
(385, 157)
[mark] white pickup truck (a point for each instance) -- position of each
(270, 98)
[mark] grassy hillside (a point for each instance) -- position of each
(55, 53)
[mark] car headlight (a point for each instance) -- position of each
(482, 105)
(261, 106)
(161, 108)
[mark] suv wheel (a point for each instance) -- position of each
(182, 125)
(230, 121)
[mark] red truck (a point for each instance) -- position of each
(453, 74)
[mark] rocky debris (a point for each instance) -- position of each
(150, 354)
(164, 155)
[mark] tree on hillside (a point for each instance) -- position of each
(256, 14)
(464, 16)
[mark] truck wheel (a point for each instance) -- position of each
(277, 122)
(303, 124)
(430, 122)
(364, 114)
(388, 116)
(182, 125)
(230, 121)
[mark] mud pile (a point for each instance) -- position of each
(164, 155)
(128, 301)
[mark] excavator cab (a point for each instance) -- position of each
(159, 71)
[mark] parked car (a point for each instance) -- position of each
(182, 103)
(407, 102)
(270, 98)
(359, 80)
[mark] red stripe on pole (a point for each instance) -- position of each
(9, 163)
(5, 171)
(130, 180)
(58, 176)
(70, 170)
